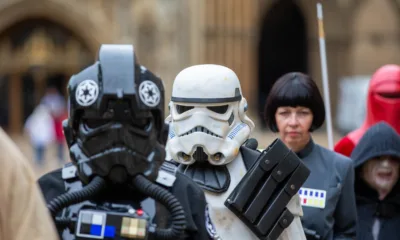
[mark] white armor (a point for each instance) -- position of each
(207, 111)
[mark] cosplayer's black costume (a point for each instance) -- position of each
(118, 185)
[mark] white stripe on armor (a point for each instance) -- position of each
(228, 226)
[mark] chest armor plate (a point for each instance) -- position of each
(228, 226)
(146, 208)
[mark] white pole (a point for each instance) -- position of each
(324, 69)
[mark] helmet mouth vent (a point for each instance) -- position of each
(199, 155)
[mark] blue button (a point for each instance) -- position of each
(305, 192)
(316, 194)
(109, 232)
(322, 195)
(311, 193)
(96, 230)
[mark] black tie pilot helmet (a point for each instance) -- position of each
(116, 127)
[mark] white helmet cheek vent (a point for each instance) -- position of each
(242, 114)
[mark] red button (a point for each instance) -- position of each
(139, 212)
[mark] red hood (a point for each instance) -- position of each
(383, 100)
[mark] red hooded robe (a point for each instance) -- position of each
(383, 104)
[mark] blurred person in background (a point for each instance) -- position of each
(59, 135)
(376, 161)
(40, 128)
(23, 213)
(383, 104)
(294, 109)
(56, 104)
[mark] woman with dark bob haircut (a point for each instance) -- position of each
(294, 109)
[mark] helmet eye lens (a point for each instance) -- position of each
(141, 123)
(95, 123)
(181, 109)
(219, 109)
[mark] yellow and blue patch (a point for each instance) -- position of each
(99, 225)
(312, 197)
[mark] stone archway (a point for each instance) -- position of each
(90, 31)
(93, 29)
(37, 56)
(282, 45)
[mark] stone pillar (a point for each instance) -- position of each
(145, 33)
(172, 41)
(15, 104)
(123, 21)
(375, 37)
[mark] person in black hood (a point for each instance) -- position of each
(376, 161)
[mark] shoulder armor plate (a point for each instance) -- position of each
(166, 174)
(69, 171)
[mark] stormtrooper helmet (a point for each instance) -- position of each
(207, 116)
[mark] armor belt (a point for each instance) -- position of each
(260, 199)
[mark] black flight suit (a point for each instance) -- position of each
(187, 192)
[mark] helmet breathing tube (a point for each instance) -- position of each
(144, 186)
